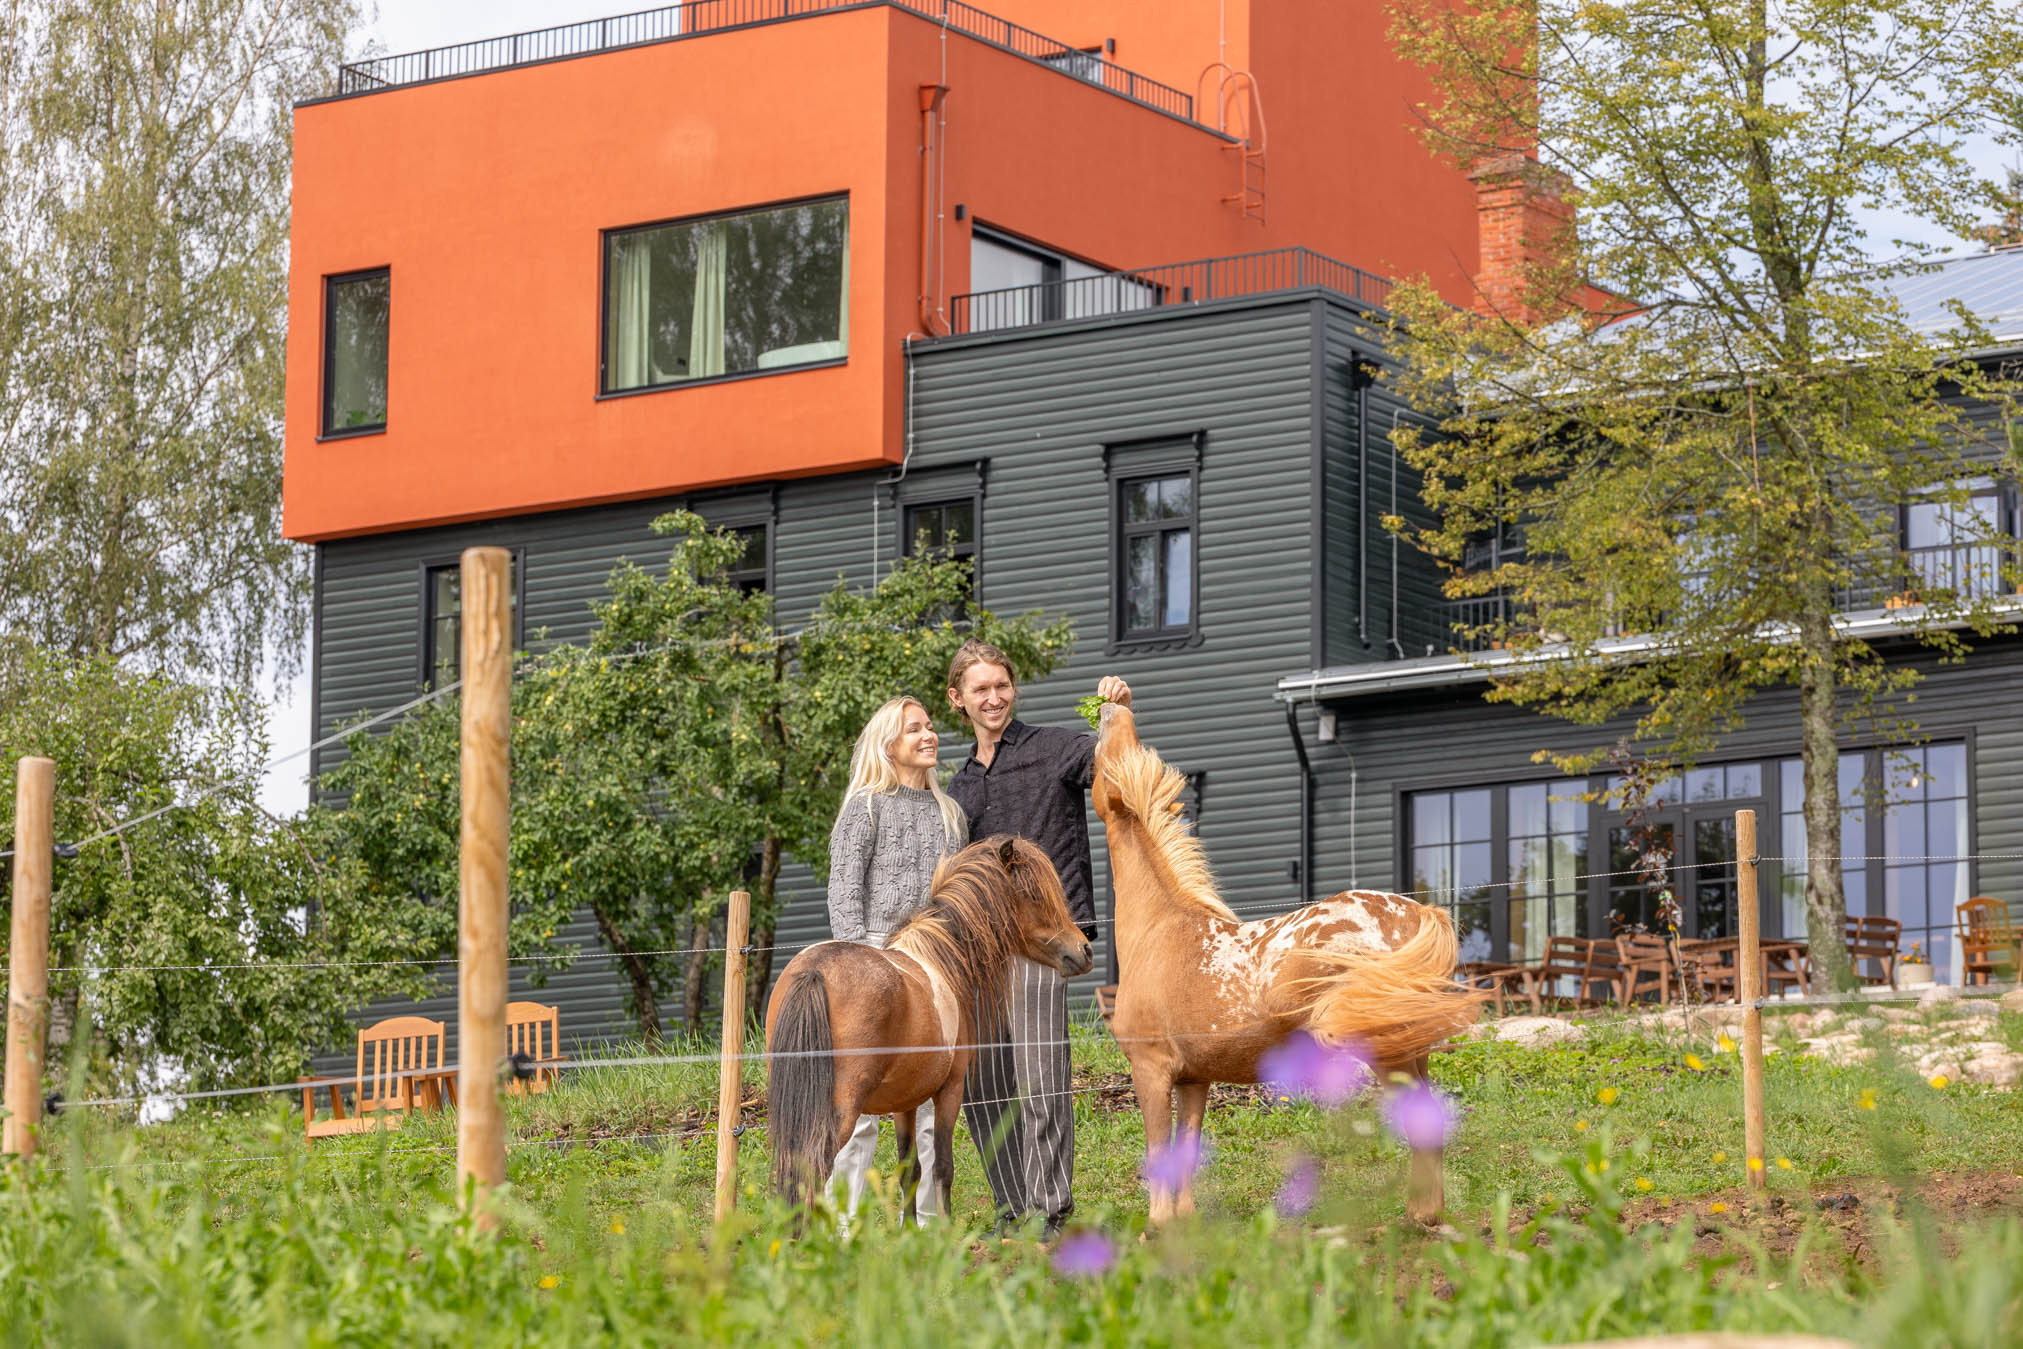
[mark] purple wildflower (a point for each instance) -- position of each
(1420, 1116)
(1300, 1065)
(1302, 1186)
(1084, 1254)
(1169, 1167)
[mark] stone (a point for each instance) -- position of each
(1713, 1020)
(1979, 1008)
(1936, 995)
(1897, 1016)
(2000, 1067)
(1538, 1030)
(1865, 1023)
(2012, 1001)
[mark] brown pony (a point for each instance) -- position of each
(842, 1011)
(1202, 995)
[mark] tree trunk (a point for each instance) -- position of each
(765, 923)
(639, 973)
(1825, 895)
(695, 970)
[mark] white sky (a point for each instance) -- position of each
(411, 25)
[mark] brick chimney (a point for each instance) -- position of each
(1523, 221)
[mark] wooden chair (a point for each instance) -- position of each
(400, 1067)
(1498, 980)
(1587, 961)
(534, 1029)
(1988, 939)
(1646, 954)
(1106, 1002)
(1873, 937)
(1710, 973)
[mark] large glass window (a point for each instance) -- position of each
(726, 295)
(1925, 845)
(752, 572)
(1547, 857)
(355, 311)
(1155, 566)
(1952, 546)
(1453, 859)
(1521, 862)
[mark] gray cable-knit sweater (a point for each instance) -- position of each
(881, 861)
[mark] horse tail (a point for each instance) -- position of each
(801, 1090)
(1396, 1003)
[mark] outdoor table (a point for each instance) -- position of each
(1781, 956)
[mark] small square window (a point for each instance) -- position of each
(1155, 569)
(355, 312)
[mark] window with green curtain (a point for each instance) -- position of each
(726, 295)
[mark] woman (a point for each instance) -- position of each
(894, 826)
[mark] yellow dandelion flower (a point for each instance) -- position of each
(1867, 1101)
(1603, 1164)
(1696, 1063)
(1580, 1126)
(1643, 1184)
(1720, 1157)
(1717, 1207)
(1783, 1163)
(1939, 1081)
(549, 1281)
(774, 1249)
(1607, 1095)
(1726, 1043)
(1755, 1163)
(617, 1227)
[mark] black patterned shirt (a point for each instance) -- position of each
(1037, 788)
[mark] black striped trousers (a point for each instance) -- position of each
(1017, 1100)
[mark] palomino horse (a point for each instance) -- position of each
(1201, 996)
(857, 1029)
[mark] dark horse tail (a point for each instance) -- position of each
(801, 1095)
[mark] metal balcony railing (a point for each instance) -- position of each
(1471, 621)
(1157, 287)
(698, 18)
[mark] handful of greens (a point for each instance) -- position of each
(1091, 709)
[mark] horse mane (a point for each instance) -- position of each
(966, 928)
(1145, 787)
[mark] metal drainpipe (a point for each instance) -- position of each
(1362, 506)
(1306, 805)
(1397, 646)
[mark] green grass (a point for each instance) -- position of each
(221, 1227)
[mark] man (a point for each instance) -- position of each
(1031, 781)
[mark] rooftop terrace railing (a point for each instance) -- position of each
(1175, 283)
(699, 18)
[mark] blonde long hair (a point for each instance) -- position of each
(872, 769)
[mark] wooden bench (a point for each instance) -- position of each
(1873, 937)
(1989, 942)
(1498, 980)
(535, 1030)
(1647, 954)
(400, 1069)
(1587, 961)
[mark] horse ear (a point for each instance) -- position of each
(1008, 851)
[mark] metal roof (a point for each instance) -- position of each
(1989, 285)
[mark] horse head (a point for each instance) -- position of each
(1119, 732)
(1047, 932)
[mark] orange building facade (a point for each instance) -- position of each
(491, 189)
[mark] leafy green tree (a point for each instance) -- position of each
(144, 162)
(687, 750)
(197, 942)
(1722, 460)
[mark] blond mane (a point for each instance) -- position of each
(1148, 790)
(969, 926)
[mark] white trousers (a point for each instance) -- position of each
(855, 1159)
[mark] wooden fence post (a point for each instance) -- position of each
(1749, 986)
(481, 866)
(28, 952)
(730, 1073)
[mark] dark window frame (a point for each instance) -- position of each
(325, 431)
(762, 572)
(425, 630)
(1768, 804)
(1124, 464)
(604, 238)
